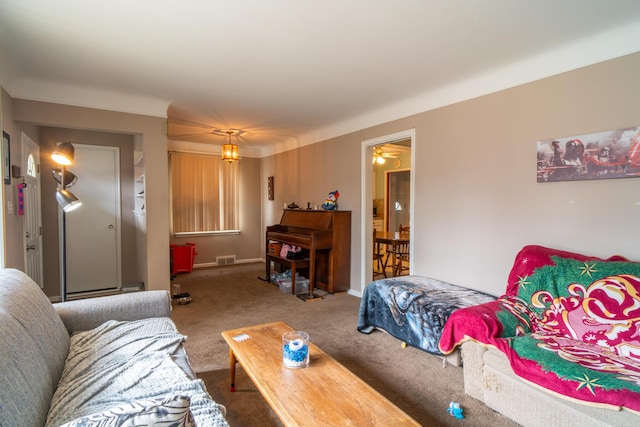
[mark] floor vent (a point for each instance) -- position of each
(226, 260)
(132, 287)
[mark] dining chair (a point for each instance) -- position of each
(402, 254)
(379, 263)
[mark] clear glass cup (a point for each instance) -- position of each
(295, 349)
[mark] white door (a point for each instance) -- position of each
(32, 224)
(93, 230)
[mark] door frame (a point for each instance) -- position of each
(366, 226)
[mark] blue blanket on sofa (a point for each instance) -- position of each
(414, 309)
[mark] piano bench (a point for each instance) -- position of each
(293, 265)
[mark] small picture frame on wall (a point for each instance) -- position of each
(270, 188)
(6, 158)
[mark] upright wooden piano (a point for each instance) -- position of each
(325, 239)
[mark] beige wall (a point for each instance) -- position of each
(476, 197)
(477, 201)
(14, 254)
(152, 254)
(308, 174)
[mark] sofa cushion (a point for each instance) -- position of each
(26, 386)
(84, 314)
(503, 391)
(33, 347)
(121, 362)
(170, 411)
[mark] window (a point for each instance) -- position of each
(31, 166)
(204, 193)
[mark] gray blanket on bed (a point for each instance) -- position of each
(414, 309)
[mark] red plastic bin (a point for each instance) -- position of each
(182, 257)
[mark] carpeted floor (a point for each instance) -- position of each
(231, 297)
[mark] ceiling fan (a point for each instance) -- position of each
(380, 154)
(197, 132)
(252, 137)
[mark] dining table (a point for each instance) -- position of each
(393, 239)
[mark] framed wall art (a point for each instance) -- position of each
(6, 158)
(602, 155)
(270, 190)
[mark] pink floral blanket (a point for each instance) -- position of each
(568, 323)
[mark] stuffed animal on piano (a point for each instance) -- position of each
(331, 203)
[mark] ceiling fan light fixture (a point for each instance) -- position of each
(378, 157)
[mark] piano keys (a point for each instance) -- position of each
(325, 237)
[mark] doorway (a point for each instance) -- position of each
(371, 194)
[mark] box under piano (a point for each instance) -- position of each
(302, 285)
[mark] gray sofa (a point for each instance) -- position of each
(489, 378)
(118, 358)
(553, 349)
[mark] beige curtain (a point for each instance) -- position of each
(229, 198)
(204, 193)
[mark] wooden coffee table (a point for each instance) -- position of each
(324, 393)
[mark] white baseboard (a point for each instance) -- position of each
(355, 293)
